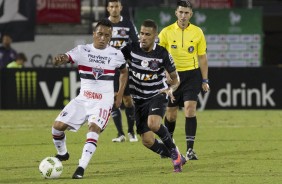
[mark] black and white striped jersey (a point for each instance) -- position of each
(147, 70)
(123, 32)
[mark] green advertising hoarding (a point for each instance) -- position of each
(234, 36)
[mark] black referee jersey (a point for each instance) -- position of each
(147, 70)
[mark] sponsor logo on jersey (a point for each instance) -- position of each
(144, 63)
(109, 60)
(86, 50)
(92, 95)
(98, 59)
(117, 43)
(144, 77)
(63, 113)
(191, 49)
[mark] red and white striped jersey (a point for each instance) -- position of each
(96, 68)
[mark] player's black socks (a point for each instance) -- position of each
(165, 137)
(160, 148)
(170, 126)
(129, 111)
(116, 114)
(190, 130)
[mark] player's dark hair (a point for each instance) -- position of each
(150, 23)
(112, 1)
(103, 22)
(184, 3)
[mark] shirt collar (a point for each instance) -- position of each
(177, 27)
(154, 47)
(121, 18)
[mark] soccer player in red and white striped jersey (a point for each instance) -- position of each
(96, 64)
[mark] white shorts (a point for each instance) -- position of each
(78, 111)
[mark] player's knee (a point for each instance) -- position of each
(147, 142)
(171, 113)
(190, 111)
(171, 116)
(190, 108)
(60, 126)
(92, 127)
(154, 126)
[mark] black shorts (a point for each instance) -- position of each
(116, 84)
(189, 88)
(143, 108)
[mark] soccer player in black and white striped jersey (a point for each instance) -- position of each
(123, 32)
(148, 63)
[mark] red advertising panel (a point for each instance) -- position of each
(212, 3)
(58, 11)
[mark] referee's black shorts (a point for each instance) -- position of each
(189, 88)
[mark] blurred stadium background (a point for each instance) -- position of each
(243, 38)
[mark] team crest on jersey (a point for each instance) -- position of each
(145, 63)
(122, 32)
(97, 72)
(154, 64)
(191, 49)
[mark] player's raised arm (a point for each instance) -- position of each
(60, 59)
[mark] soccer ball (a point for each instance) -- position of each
(51, 167)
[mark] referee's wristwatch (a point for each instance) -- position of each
(205, 81)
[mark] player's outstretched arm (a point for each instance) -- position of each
(60, 59)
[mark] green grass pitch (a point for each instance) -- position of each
(234, 147)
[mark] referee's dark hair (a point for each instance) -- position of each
(111, 1)
(103, 22)
(184, 3)
(150, 23)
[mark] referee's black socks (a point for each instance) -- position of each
(190, 130)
